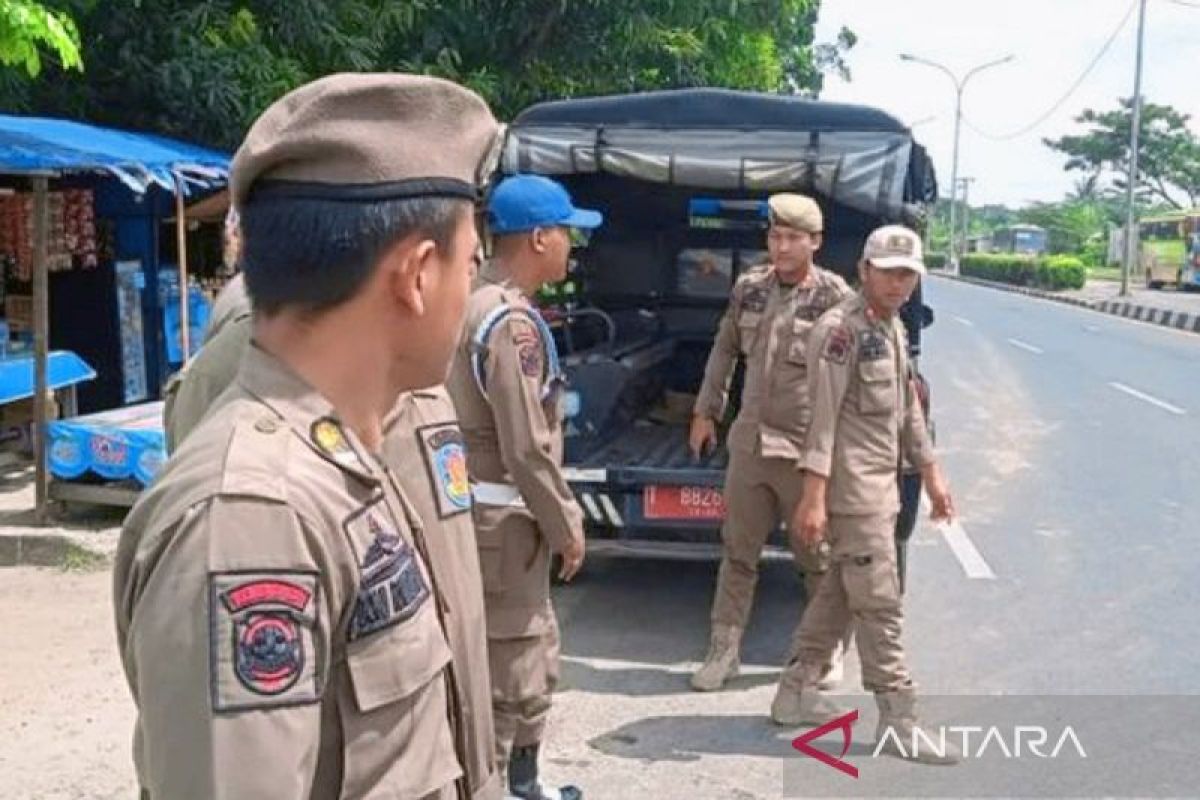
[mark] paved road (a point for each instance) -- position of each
(1073, 444)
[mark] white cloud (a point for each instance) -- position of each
(1052, 40)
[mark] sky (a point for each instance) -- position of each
(1052, 42)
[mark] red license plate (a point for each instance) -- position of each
(683, 502)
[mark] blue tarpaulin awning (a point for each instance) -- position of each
(31, 145)
(63, 369)
(42, 148)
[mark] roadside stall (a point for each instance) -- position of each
(80, 211)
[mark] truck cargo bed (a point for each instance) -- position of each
(651, 453)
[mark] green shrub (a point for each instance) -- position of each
(1047, 272)
(935, 260)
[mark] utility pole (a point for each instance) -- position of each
(1135, 125)
(966, 226)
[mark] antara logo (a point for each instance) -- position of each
(843, 723)
(1022, 742)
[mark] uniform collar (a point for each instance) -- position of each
(306, 411)
(810, 282)
(406, 403)
(490, 274)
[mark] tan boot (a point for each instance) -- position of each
(799, 701)
(898, 720)
(722, 661)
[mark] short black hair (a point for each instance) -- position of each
(315, 254)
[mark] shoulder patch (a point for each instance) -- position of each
(446, 461)
(529, 347)
(261, 628)
(837, 345)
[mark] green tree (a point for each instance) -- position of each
(27, 28)
(204, 69)
(1168, 160)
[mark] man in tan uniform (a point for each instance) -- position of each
(771, 312)
(280, 627)
(506, 385)
(190, 391)
(866, 417)
(210, 372)
(424, 447)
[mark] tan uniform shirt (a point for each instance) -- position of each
(768, 324)
(212, 371)
(514, 435)
(276, 619)
(424, 446)
(866, 414)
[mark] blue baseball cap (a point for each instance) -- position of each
(524, 202)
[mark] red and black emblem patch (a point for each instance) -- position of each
(529, 351)
(262, 627)
(268, 646)
(837, 345)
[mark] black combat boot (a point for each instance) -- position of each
(523, 778)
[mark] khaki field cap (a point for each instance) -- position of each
(894, 246)
(368, 138)
(796, 211)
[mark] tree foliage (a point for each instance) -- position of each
(1168, 153)
(204, 69)
(27, 28)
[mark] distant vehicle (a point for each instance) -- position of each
(1170, 249)
(1021, 239)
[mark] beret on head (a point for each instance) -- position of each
(796, 211)
(368, 137)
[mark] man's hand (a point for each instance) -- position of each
(939, 494)
(809, 521)
(703, 436)
(572, 557)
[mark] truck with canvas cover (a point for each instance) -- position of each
(682, 178)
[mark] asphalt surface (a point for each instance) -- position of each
(1077, 509)
(1067, 596)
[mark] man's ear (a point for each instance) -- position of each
(537, 239)
(408, 268)
(818, 240)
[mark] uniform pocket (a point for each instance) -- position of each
(877, 387)
(396, 733)
(871, 583)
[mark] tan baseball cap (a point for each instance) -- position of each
(368, 137)
(796, 211)
(893, 247)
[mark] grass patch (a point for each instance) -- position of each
(80, 559)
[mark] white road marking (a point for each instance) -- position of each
(963, 321)
(965, 551)
(1154, 401)
(1026, 346)
(968, 555)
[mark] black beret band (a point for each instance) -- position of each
(364, 192)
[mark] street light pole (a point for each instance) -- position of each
(966, 221)
(1131, 234)
(959, 85)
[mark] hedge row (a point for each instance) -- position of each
(935, 260)
(1045, 272)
